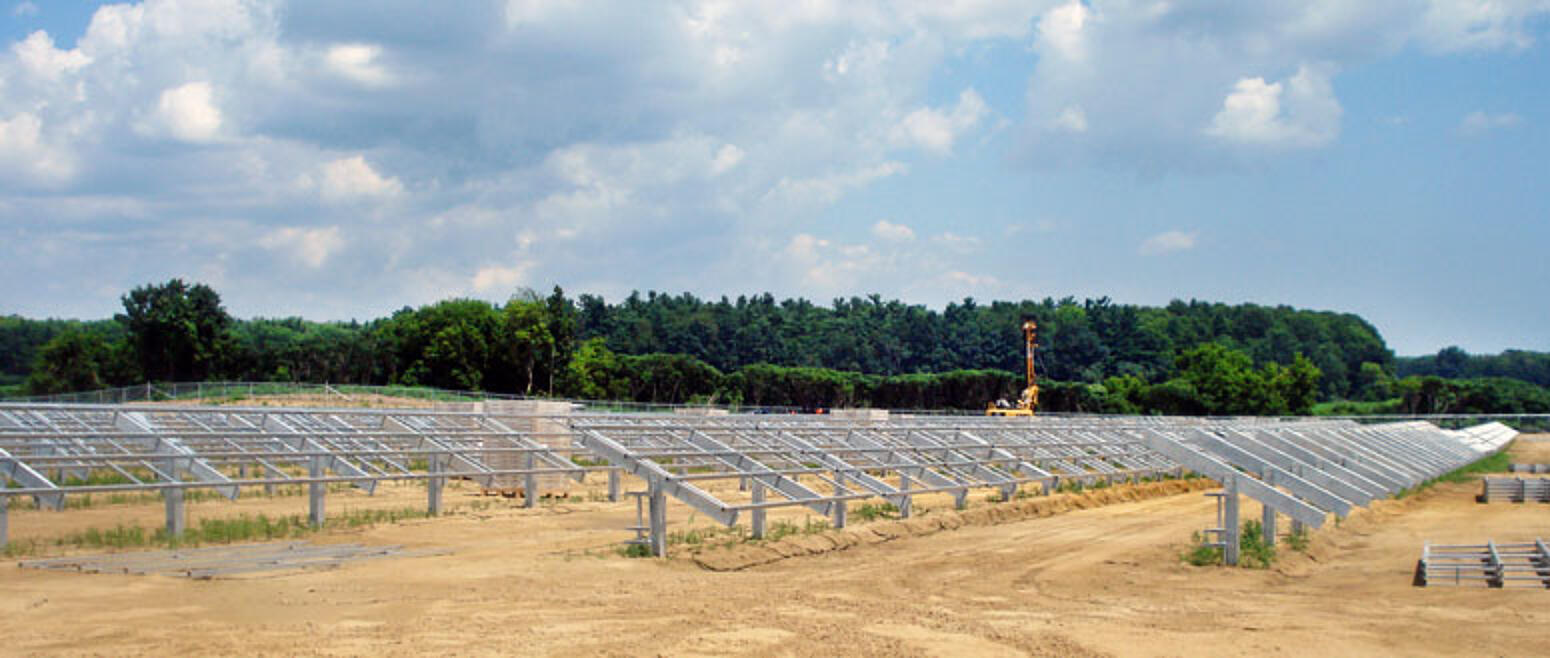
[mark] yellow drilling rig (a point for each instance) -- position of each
(1030, 398)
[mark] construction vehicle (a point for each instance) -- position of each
(1030, 398)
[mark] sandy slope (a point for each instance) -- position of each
(1088, 582)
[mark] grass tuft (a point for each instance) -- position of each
(211, 531)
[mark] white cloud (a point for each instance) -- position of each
(727, 157)
(958, 243)
(25, 9)
(1256, 112)
(970, 282)
(804, 247)
(936, 130)
(824, 190)
(1464, 25)
(1168, 242)
(893, 232)
(856, 59)
(38, 55)
(1480, 122)
(714, 125)
(114, 27)
(358, 62)
(1072, 119)
(188, 112)
(495, 278)
(25, 153)
(311, 247)
(1062, 28)
(520, 13)
(1153, 78)
(830, 266)
(351, 179)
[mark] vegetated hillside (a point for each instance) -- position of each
(1187, 357)
(1455, 363)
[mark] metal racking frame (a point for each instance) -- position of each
(1304, 469)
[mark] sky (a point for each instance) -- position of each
(343, 160)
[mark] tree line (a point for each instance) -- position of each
(1454, 363)
(1094, 355)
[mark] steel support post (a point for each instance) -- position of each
(1297, 527)
(1269, 525)
(613, 485)
(5, 527)
(658, 524)
(960, 499)
(435, 485)
(176, 518)
(530, 484)
(758, 513)
(906, 502)
(315, 492)
(839, 505)
(1230, 523)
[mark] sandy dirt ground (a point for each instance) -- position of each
(548, 581)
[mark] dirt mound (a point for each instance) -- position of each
(743, 556)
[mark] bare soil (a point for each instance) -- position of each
(548, 581)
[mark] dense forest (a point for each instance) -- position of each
(1094, 355)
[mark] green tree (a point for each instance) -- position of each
(561, 320)
(1373, 383)
(528, 343)
(594, 373)
(1223, 379)
(74, 360)
(177, 332)
(447, 344)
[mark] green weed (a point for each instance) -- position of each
(1253, 551)
(873, 512)
(1298, 539)
(635, 550)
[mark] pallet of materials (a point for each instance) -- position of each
(1525, 564)
(1515, 490)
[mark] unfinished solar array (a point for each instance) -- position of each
(1307, 469)
(1302, 469)
(49, 451)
